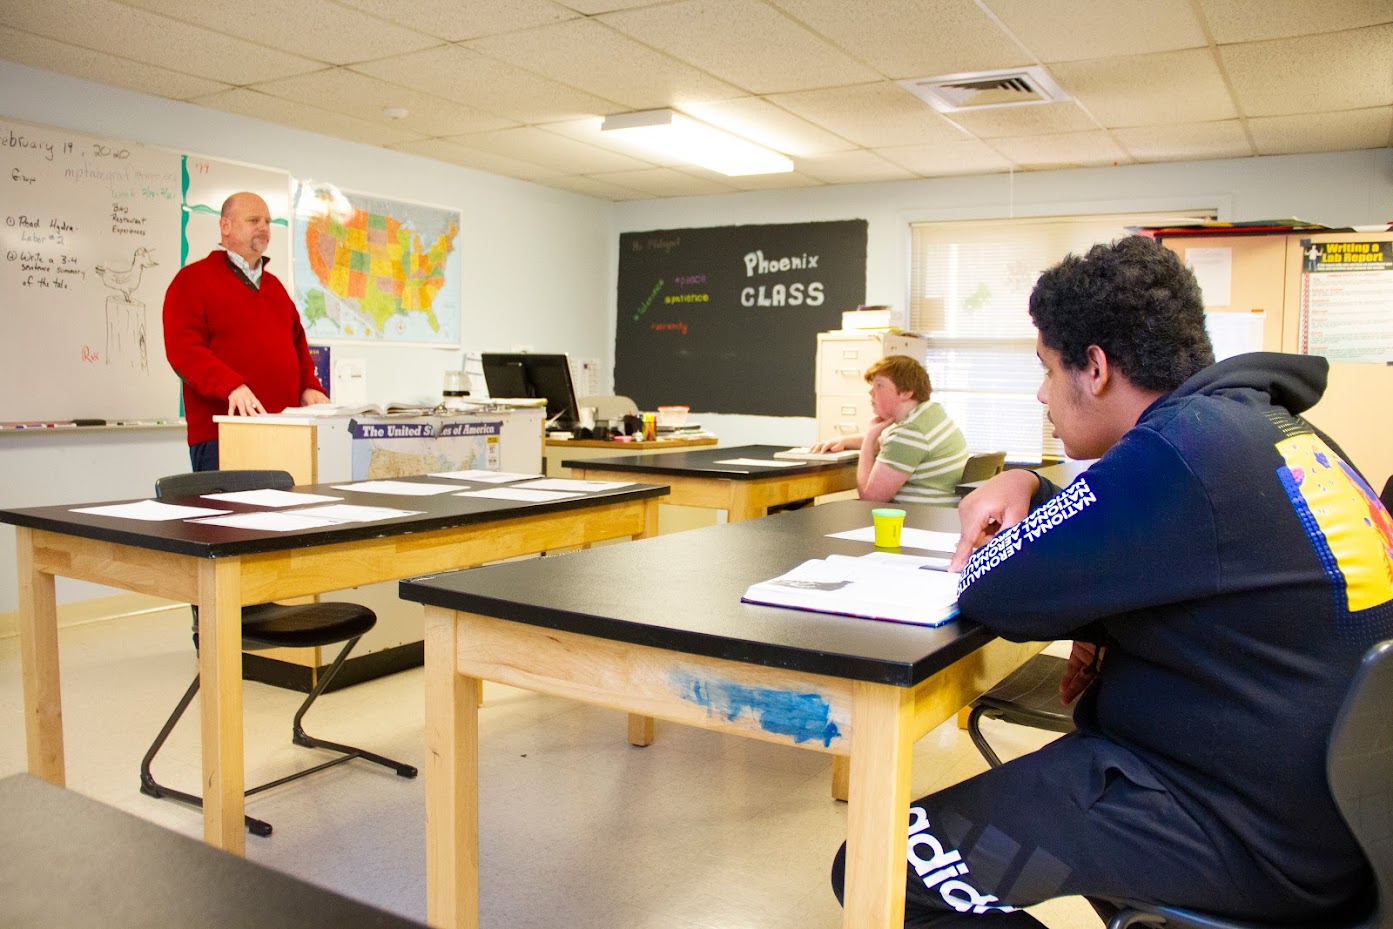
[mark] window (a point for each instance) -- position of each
(970, 286)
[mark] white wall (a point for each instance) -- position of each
(536, 266)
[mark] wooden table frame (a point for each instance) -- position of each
(221, 586)
(877, 724)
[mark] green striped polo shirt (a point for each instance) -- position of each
(928, 447)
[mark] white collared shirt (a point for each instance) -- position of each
(253, 274)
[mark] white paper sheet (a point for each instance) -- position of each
(926, 539)
(268, 522)
(151, 511)
(571, 485)
(517, 493)
(400, 488)
(351, 513)
(485, 477)
(275, 498)
(762, 462)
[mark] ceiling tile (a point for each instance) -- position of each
(40, 52)
(456, 20)
(595, 7)
(970, 157)
(998, 121)
(1286, 76)
(588, 55)
(491, 86)
(1068, 150)
(1075, 29)
(318, 29)
(871, 115)
(786, 180)
(106, 26)
(310, 118)
(1253, 20)
(665, 182)
(898, 38)
(1192, 142)
(1141, 90)
(550, 150)
(856, 167)
(758, 120)
(590, 187)
(744, 42)
(457, 154)
(354, 94)
(1323, 132)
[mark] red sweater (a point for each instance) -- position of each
(221, 333)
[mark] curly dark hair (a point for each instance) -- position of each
(1135, 300)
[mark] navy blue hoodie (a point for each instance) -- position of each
(1236, 568)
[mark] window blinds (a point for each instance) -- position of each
(970, 286)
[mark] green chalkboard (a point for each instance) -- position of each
(725, 319)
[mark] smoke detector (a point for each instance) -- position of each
(981, 90)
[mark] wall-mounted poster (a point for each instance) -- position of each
(1346, 290)
(725, 319)
(372, 269)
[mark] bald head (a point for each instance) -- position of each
(245, 226)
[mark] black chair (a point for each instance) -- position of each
(1359, 766)
(1029, 696)
(271, 625)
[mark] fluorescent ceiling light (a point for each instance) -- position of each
(685, 139)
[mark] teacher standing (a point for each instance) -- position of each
(232, 333)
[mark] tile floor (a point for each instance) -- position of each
(579, 830)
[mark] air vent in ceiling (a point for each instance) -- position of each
(978, 90)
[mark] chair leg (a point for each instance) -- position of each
(301, 737)
(974, 730)
(152, 788)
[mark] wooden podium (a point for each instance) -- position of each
(321, 449)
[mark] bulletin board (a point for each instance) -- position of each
(725, 319)
(92, 230)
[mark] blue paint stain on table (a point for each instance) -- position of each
(803, 717)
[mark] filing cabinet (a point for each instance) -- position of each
(843, 355)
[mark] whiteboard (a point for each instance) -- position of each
(92, 230)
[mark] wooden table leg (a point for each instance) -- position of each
(220, 699)
(452, 780)
(741, 506)
(38, 650)
(841, 777)
(641, 730)
(878, 816)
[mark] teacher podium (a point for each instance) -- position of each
(328, 449)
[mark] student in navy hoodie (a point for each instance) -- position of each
(1222, 568)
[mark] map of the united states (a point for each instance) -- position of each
(372, 268)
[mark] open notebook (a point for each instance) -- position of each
(880, 585)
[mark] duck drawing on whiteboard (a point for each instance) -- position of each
(127, 280)
(126, 342)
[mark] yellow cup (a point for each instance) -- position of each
(888, 523)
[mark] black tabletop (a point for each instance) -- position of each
(67, 860)
(437, 511)
(705, 462)
(682, 592)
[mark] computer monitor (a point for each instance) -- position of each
(523, 374)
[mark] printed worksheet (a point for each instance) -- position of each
(149, 510)
(275, 498)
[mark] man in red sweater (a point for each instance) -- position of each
(232, 333)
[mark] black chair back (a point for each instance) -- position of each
(194, 483)
(1360, 770)
(1387, 495)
